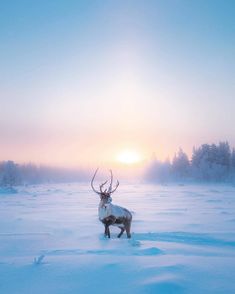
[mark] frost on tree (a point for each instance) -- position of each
(212, 162)
(209, 163)
(9, 174)
(180, 165)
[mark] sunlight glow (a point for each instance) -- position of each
(129, 157)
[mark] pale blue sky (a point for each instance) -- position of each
(81, 80)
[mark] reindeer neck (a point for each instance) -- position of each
(103, 203)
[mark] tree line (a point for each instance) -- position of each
(13, 174)
(208, 163)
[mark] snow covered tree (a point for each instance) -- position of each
(9, 174)
(232, 162)
(181, 165)
(211, 162)
(232, 165)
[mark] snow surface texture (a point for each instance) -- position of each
(183, 241)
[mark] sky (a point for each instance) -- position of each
(82, 81)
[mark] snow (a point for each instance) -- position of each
(183, 240)
(7, 190)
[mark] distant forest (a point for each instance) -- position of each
(13, 174)
(209, 163)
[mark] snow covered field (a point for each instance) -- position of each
(183, 241)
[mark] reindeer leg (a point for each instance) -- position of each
(105, 230)
(107, 222)
(108, 232)
(122, 230)
(128, 229)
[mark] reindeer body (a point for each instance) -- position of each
(112, 215)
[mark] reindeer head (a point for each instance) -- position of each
(105, 194)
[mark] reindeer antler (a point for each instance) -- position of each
(110, 190)
(93, 188)
(101, 186)
(115, 188)
(111, 184)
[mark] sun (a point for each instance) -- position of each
(129, 157)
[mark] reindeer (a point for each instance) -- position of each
(109, 214)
